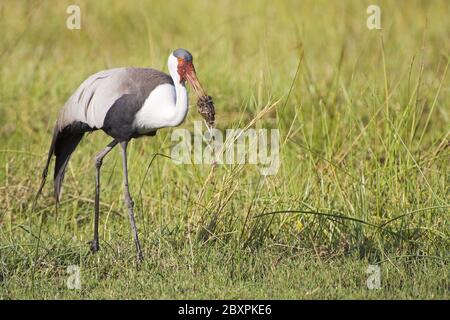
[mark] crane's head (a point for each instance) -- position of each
(182, 68)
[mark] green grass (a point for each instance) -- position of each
(364, 177)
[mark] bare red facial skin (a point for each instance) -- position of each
(181, 68)
(186, 71)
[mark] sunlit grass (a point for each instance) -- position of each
(364, 177)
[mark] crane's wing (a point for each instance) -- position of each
(95, 96)
(86, 110)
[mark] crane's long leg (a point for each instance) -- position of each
(129, 201)
(98, 164)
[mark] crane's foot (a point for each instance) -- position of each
(94, 246)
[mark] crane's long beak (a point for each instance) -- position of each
(191, 76)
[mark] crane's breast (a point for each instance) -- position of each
(157, 110)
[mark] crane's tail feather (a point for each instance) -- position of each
(47, 164)
(65, 144)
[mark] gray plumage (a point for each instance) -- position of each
(183, 54)
(97, 94)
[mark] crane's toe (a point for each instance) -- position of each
(140, 257)
(94, 246)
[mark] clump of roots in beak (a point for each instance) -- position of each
(206, 109)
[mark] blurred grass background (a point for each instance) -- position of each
(364, 176)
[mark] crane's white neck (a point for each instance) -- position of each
(182, 101)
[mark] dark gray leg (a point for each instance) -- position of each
(129, 201)
(98, 164)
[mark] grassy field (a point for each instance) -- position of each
(364, 178)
